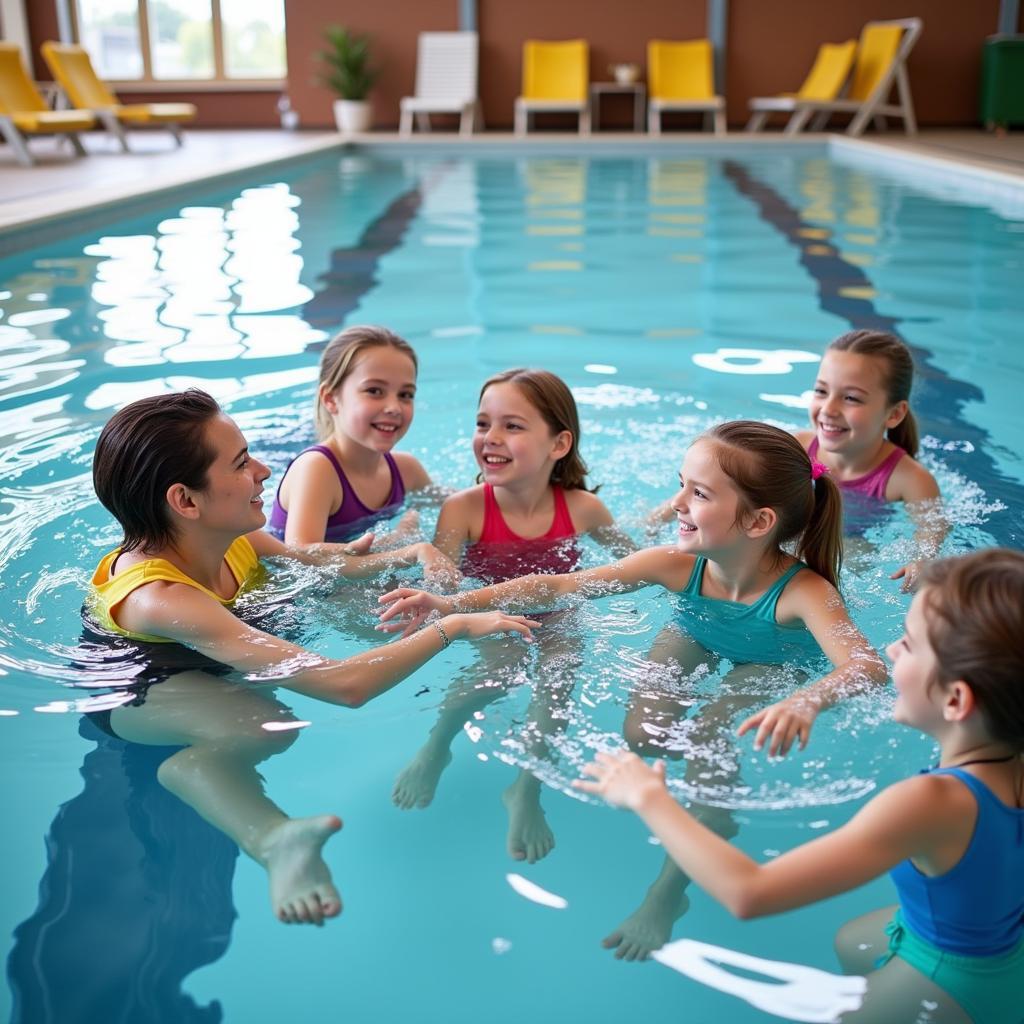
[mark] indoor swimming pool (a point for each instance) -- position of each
(671, 291)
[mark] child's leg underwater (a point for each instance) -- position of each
(651, 722)
(472, 691)
(554, 677)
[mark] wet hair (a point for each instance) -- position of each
(975, 621)
(551, 397)
(340, 355)
(899, 376)
(771, 470)
(144, 449)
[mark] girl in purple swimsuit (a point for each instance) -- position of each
(341, 487)
(865, 434)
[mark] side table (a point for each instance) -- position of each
(639, 91)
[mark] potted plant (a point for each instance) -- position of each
(346, 69)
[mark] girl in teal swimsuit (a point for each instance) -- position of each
(952, 838)
(746, 489)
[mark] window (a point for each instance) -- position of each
(184, 40)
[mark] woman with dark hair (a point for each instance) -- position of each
(177, 475)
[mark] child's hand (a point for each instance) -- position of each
(623, 779)
(361, 545)
(474, 625)
(909, 574)
(784, 722)
(408, 609)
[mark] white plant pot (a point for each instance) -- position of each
(352, 116)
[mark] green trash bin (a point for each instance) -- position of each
(1002, 81)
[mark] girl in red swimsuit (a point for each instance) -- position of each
(524, 516)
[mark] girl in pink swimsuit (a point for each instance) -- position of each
(865, 433)
(525, 514)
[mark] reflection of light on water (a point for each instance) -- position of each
(793, 991)
(531, 891)
(801, 401)
(753, 360)
(227, 389)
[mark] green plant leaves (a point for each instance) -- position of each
(345, 64)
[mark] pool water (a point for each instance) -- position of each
(671, 292)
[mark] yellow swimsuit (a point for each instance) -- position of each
(108, 592)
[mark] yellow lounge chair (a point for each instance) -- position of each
(823, 84)
(680, 77)
(555, 77)
(881, 63)
(23, 111)
(74, 72)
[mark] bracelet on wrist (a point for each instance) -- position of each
(446, 640)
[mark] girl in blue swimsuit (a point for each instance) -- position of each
(952, 837)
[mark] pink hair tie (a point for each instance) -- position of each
(818, 469)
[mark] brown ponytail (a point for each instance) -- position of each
(771, 470)
(899, 377)
(551, 397)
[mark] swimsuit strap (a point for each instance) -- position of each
(767, 602)
(562, 524)
(348, 492)
(397, 483)
(693, 584)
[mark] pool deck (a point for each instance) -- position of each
(35, 197)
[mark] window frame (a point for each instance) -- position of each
(148, 83)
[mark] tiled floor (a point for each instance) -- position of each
(59, 183)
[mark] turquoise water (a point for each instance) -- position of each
(670, 293)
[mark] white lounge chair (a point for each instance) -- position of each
(880, 64)
(446, 73)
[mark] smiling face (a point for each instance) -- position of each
(232, 500)
(373, 406)
(850, 409)
(707, 505)
(513, 442)
(915, 671)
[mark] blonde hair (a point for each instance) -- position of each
(551, 397)
(771, 470)
(337, 361)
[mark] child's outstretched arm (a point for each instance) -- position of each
(406, 609)
(917, 488)
(858, 666)
(353, 560)
(909, 819)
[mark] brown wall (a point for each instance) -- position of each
(617, 33)
(770, 47)
(394, 25)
